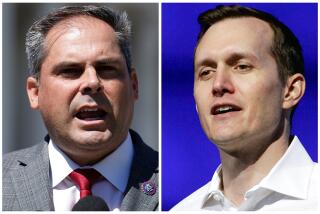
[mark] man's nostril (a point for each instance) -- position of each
(87, 90)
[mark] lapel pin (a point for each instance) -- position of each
(148, 188)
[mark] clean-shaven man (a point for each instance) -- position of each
(83, 84)
(248, 78)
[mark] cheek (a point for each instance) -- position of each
(271, 94)
(55, 97)
(265, 102)
(119, 95)
(199, 102)
(203, 97)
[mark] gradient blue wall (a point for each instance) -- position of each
(188, 158)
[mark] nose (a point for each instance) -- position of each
(222, 83)
(91, 83)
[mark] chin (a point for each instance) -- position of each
(224, 138)
(93, 138)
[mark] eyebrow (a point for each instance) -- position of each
(72, 64)
(66, 64)
(107, 61)
(235, 57)
(231, 59)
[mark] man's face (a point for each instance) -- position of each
(237, 89)
(85, 95)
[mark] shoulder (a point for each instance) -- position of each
(315, 182)
(25, 179)
(193, 201)
(142, 188)
(13, 160)
(143, 153)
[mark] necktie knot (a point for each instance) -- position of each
(84, 179)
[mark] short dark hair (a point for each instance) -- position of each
(286, 48)
(37, 33)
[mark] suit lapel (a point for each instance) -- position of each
(142, 188)
(136, 199)
(32, 181)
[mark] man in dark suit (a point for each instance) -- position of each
(84, 86)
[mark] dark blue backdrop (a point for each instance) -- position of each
(188, 158)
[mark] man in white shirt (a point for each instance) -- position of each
(83, 83)
(248, 78)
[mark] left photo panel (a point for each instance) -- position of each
(80, 107)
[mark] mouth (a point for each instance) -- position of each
(224, 108)
(91, 114)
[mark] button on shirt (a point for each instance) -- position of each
(291, 185)
(115, 168)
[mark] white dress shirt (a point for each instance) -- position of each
(115, 168)
(291, 185)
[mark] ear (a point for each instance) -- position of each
(33, 91)
(294, 90)
(134, 83)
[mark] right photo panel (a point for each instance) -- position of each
(240, 106)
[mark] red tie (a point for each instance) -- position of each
(84, 178)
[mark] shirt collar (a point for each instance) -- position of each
(215, 184)
(216, 181)
(115, 167)
(295, 163)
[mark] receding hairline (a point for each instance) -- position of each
(63, 26)
(262, 22)
(74, 21)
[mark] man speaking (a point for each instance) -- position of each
(248, 78)
(83, 84)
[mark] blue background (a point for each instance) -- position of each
(189, 159)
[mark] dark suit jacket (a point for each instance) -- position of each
(27, 183)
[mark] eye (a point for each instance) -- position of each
(70, 72)
(104, 68)
(206, 73)
(107, 72)
(243, 67)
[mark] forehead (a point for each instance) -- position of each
(77, 27)
(236, 34)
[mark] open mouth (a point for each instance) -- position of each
(89, 114)
(222, 109)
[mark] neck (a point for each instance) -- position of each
(243, 169)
